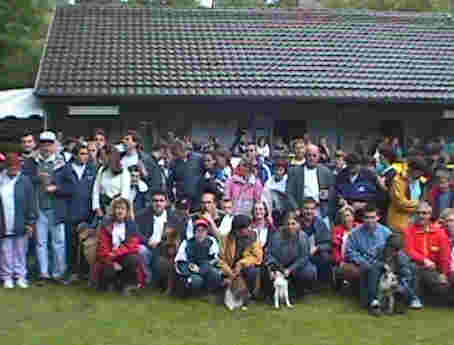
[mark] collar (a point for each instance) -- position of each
(310, 168)
(51, 158)
(163, 215)
(132, 153)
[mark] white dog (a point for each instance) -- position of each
(387, 287)
(280, 289)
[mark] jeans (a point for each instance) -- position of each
(209, 278)
(46, 227)
(150, 257)
(322, 260)
(369, 283)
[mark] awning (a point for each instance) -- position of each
(20, 103)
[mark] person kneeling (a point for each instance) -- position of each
(117, 261)
(196, 259)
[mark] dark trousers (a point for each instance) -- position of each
(323, 261)
(127, 276)
(428, 282)
(75, 258)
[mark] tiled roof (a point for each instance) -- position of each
(317, 54)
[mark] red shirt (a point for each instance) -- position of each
(337, 234)
(432, 244)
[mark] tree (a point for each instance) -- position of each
(394, 5)
(23, 28)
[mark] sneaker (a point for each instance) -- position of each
(22, 283)
(374, 308)
(8, 284)
(416, 304)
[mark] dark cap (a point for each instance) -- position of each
(241, 221)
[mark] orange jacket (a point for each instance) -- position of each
(432, 244)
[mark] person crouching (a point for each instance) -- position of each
(196, 261)
(117, 261)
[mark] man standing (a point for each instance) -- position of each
(28, 144)
(313, 180)
(42, 168)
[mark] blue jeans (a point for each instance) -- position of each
(209, 278)
(46, 227)
(369, 284)
(322, 260)
(150, 257)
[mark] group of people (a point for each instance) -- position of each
(193, 219)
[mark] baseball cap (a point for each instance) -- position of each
(47, 136)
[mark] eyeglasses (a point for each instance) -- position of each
(423, 212)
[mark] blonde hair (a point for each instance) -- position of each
(341, 214)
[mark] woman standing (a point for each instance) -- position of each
(18, 216)
(112, 181)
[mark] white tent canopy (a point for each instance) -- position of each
(20, 103)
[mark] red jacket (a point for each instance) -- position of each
(106, 255)
(433, 245)
(337, 234)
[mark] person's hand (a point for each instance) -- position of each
(443, 279)
(153, 244)
(287, 273)
(99, 212)
(194, 268)
(51, 188)
(314, 250)
(429, 264)
(236, 271)
(117, 267)
(29, 229)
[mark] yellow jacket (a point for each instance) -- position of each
(252, 255)
(401, 207)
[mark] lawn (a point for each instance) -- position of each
(77, 315)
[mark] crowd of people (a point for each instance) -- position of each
(192, 218)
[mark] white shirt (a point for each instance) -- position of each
(280, 186)
(108, 184)
(311, 187)
(262, 234)
(141, 187)
(129, 160)
(79, 170)
(158, 226)
(118, 234)
(263, 151)
(7, 185)
(226, 225)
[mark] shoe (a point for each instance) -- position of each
(128, 290)
(416, 304)
(22, 283)
(374, 308)
(8, 284)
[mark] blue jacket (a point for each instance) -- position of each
(25, 212)
(365, 248)
(322, 234)
(365, 187)
(291, 253)
(75, 196)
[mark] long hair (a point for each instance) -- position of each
(125, 202)
(284, 230)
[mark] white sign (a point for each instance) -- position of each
(448, 114)
(93, 110)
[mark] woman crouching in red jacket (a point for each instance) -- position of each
(117, 262)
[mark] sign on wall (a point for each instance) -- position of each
(93, 110)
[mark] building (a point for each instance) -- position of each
(339, 73)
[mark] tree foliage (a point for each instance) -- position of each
(394, 5)
(23, 27)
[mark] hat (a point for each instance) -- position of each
(201, 223)
(47, 136)
(240, 221)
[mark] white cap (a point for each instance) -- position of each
(47, 136)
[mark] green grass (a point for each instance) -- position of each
(77, 315)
